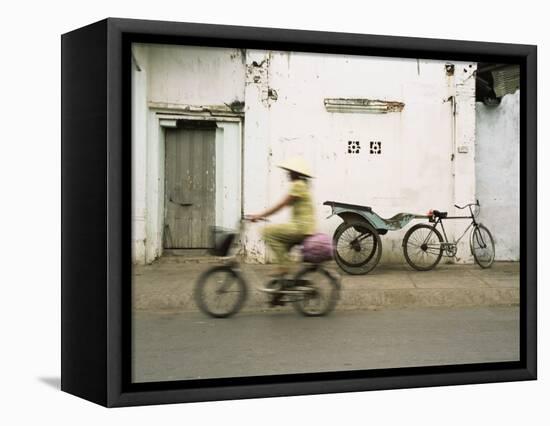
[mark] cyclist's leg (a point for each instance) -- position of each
(280, 238)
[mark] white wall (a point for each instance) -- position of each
(497, 173)
(195, 75)
(228, 174)
(139, 153)
(285, 115)
(415, 170)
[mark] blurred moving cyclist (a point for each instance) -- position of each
(281, 237)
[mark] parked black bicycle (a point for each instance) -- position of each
(222, 290)
(424, 246)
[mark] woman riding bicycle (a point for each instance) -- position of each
(281, 237)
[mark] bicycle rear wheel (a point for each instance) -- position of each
(422, 247)
(482, 246)
(323, 295)
(220, 292)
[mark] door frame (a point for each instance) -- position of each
(166, 117)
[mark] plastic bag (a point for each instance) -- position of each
(317, 248)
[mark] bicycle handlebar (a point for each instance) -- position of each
(467, 205)
(247, 219)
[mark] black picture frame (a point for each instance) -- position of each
(96, 202)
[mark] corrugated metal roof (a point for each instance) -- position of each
(506, 80)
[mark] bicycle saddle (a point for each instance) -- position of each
(437, 213)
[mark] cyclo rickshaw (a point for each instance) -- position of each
(358, 247)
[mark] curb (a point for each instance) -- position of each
(353, 298)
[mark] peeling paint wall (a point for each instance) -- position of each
(168, 81)
(497, 173)
(195, 75)
(139, 154)
(414, 165)
(462, 94)
(415, 170)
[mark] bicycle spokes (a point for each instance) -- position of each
(318, 295)
(423, 247)
(479, 239)
(425, 242)
(220, 292)
(354, 246)
(225, 283)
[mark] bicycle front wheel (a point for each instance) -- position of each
(482, 246)
(220, 292)
(422, 247)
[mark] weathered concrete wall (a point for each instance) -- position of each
(420, 165)
(416, 168)
(139, 154)
(497, 173)
(195, 75)
(165, 81)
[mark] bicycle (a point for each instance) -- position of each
(424, 246)
(221, 291)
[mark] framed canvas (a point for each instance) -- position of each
(398, 178)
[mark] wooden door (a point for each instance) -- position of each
(190, 188)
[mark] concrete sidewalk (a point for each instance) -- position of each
(167, 285)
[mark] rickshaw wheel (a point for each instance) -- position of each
(357, 247)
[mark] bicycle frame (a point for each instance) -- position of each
(446, 239)
(439, 221)
(232, 259)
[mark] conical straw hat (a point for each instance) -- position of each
(298, 165)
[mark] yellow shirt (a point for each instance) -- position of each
(303, 213)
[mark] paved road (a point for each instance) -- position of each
(190, 345)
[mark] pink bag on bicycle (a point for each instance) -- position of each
(317, 248)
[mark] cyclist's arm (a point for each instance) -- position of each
(287, 201)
